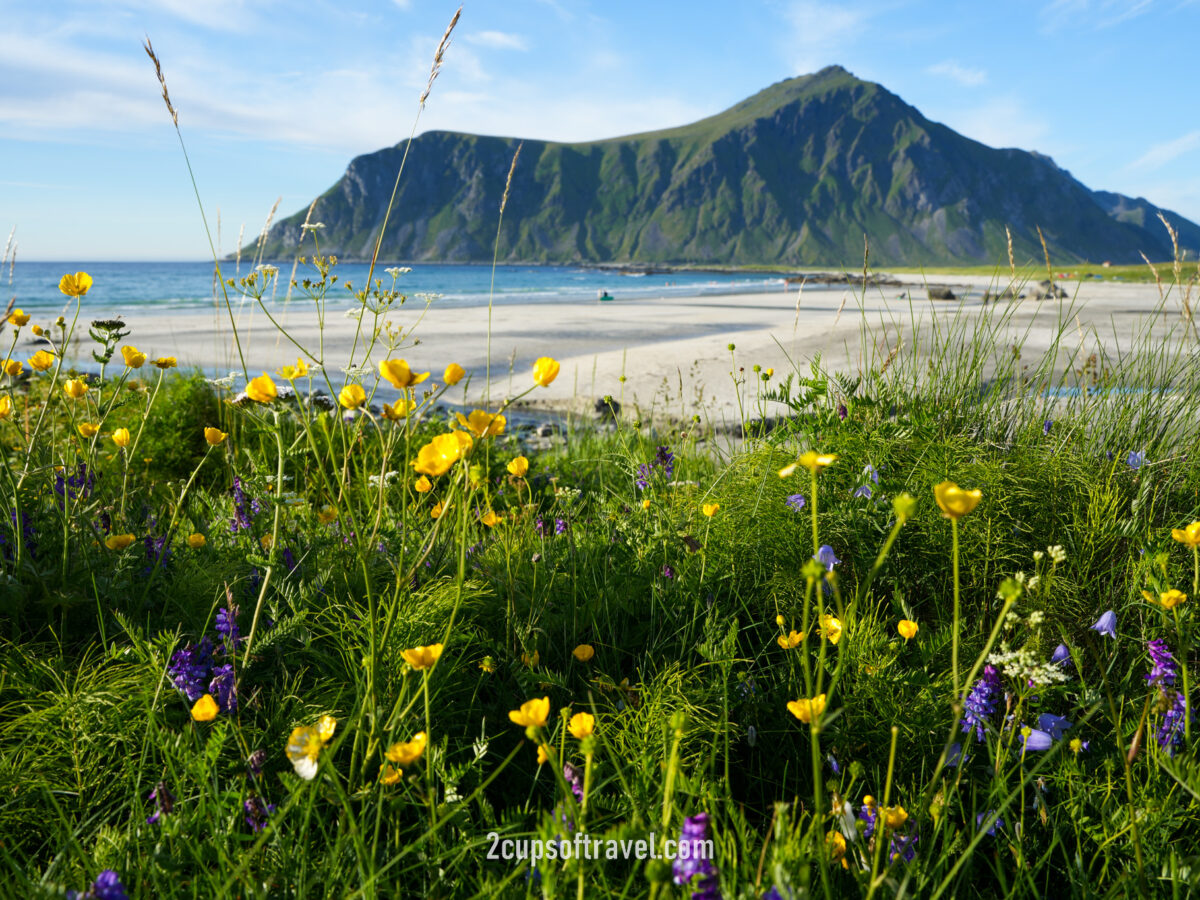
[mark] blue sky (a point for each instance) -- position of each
(274, 98)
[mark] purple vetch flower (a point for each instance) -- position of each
(223, 687)
(164, 802)
(573, 779)
(1107, 624)
(191, 668)
(863, 490)
(75, 486)
(692, 865)
(1053, 725)
(256, 761)
(667, 571)
(1046, 427)
(869, 815)
(904, 846)
(1165, 670)
(227, 627)
(539, 526)
(842, 412)
(1035, 739)
(107, 886)
(642, 478)
(773, 894)
(982, 702)
(1062, 657)
(796, 502)
(665, 460)
(241, 509)
(1173, 729)
(560, 526)
(1136, 459)
(257, 811)
(289, 558)
(997, 825)
(826, 557)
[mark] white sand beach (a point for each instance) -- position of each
(674, 352)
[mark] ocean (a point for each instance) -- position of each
(124, 288)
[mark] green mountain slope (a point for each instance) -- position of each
(794, 175)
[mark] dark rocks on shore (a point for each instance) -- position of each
(843, 278)
(1047, 289)
(607, 408)
(938, 292)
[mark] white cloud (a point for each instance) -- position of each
(1161, 154)
(497, 40)
(1001, 122)
(955, 72)
(821, 32)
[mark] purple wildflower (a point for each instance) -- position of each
(1062, 656)
(870, 816)
(78, 485)
(227, 628)
(982, 702)
(833, 764)
(164, 802)
(256, 761)
(560, 526)
(1165, 670)
(667, 571)
(1053, 725)
(223, 687)
(693, 859)
(1046, 427)
(574, 781)
(241, 516)
(642, 479)
(665, 460)
(190, 669)
(954, 756)
(539, 526)
(257, 812)
(871, 472)
(904, 846)
(1036, 739)
(863, 490)
(996, 825)
(289, 558)
(1107, 624)
(1136, 459)
(1173, 729)
(796, 502)
(842, 412)
(107, 886)
(158, 552)
(826, 557)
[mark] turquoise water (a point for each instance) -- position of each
(127, 287)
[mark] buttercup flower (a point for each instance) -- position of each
(13, 367)
(807, 710)
(352, 396)
(581, 725)
(262, 389)
(423, 657)
(121, 437)
(710, 509)
(545, 370)
(196, 540)
(118, 541)
(214, 435)
(532, 714)
(75, 285)
(908, 629)
(518, 467)
(543, 754)
(953, 501)
(453, 374)
(166, 362)
(791, 640)
(306, 743)
(41, 361)
(584, 652)
(134, 358)
(423, 485)
(400, 410)
(18, 318)
(291, 373)
(405, 753)
(1168, 600)
(205, 709)
(811, 460)
(482, 424)
(831, 629)
(399, 374)
(1189, 535)
(836, 845)
(436, 457)
(74, 388)
(490, 519)
(6, 408)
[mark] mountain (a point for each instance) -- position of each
(792, 176)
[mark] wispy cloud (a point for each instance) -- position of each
(821, 31)
(964, 75)
(1002, 122)
(1163, 153)
(497, 40)
(1059, 14)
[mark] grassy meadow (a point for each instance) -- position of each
(317, 633)
(265, 643)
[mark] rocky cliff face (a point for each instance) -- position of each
(792, 176)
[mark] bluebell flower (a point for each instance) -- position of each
(796, 502)
(692, 866)
(996, 825)
(825, 557)
(1036, 739)
(1053, 725)
(863, 490)
(982, 702)
(1107, 624)
(871, 473)
(1062, 657)
(107, 886)
(1136, 459)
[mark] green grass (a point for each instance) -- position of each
(688, 684)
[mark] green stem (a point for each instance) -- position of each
(954, 632)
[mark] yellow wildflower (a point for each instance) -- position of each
(121, 437)
(831, 629)
(262, 389)
(581, 725)
(13, 367)
(196, 540)
(584, 652)
(118, 541)
(423, 657)
(41, 361)
(205, 709)
(436, 457)
(75, 388)
(532, 714)
(291, 373)
(543, 754)
(954, 501)
(490, 519)
(18, 317)
(482, 424)
(166, 362)
(214, 435)
(518, 467)
(352, 396)
(1188, 536)
(75, 285)
(5, 407)
(790, 640)
(400, 410)
(807, 710)
(453, 374)
(399, 374)
(907, 628)
(306, 743)
(134, 358)
(389, 774)
(545, 370)
(405, 753)
(710, 509)
(1168, 600)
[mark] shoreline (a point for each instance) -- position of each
(672, 351)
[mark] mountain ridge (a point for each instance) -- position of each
(793, 175)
